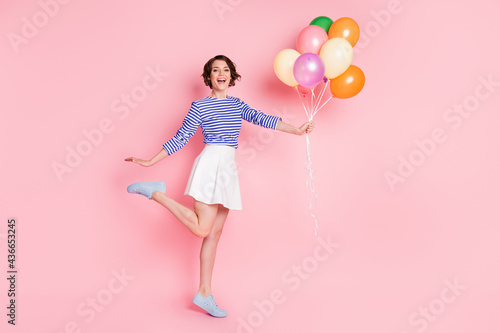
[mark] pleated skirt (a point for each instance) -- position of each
(214, 177)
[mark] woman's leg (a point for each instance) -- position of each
(199, 222)
(208, 251)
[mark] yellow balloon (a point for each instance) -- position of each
(337, 55)
(283, 66)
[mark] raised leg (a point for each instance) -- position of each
(199, 221)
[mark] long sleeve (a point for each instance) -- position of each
(258, 117)
(187, 130)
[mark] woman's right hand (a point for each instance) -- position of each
(144, 163)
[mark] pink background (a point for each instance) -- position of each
(397, 247)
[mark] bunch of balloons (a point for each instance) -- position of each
(324, 54)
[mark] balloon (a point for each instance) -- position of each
(310, 39)
(323, 22)
(337, 54)
(283, 66)
(346, 28)
(309, 70)
(349, 83)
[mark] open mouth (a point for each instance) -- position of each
(221, 80)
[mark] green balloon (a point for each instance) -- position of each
(322, 21)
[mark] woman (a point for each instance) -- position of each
(213, 182)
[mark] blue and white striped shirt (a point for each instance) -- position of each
(220, 121)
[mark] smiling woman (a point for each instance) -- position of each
(213, 182)
(220, 67)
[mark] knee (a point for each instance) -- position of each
(212, 234)
(202, 232)
(217, 232)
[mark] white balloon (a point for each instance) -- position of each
(283, 66)
(337, 54)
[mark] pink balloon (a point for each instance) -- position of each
(311, 39)
(309, 69)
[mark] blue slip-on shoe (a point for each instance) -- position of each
(147, 189)
(208, 304)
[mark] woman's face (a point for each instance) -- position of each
(220, 76)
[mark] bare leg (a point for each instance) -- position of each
(208, 251)
(199, 222)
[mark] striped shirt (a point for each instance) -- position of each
(220, 121)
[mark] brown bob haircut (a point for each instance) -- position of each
(207, 69)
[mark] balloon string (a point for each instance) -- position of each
(309, 116)
(306, 109)
(309, 104)
(310, 184)
(328, 100)
(303, 105)
(315, 110)
(310, 178)
(313, 102)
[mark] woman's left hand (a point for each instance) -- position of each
(306, 128)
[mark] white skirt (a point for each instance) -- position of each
(214, 177)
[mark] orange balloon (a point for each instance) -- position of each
(349, 83)
(345, 27)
